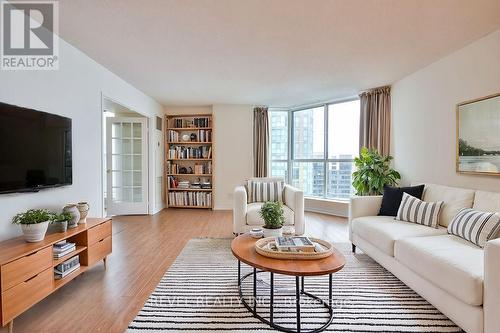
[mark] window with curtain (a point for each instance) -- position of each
(314, 148)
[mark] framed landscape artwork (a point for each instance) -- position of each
(478, 136)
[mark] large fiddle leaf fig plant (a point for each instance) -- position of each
(373, 171)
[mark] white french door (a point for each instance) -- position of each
(127, 166)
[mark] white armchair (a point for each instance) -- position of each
(247, 215)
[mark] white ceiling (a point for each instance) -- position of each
(273, 52)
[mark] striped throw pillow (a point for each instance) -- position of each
(262, 191)
(475, 226)
(417, 211)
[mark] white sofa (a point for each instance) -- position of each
(247, 215)
(457, 277)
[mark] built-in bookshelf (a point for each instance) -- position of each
(189, 161)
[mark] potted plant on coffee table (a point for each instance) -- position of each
(34, 223)
(60, 221)
(272, 214)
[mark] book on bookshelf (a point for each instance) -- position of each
(174, 136)
(186, 122)
(182, 152)
(200, 199)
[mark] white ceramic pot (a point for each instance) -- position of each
(75, 213)
(272, 232)
(83, 208)
(34, 232)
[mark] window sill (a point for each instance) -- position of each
(327, 206)
(341, 201)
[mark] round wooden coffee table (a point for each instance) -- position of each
(243, 249)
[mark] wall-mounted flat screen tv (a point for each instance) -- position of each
(35, 150)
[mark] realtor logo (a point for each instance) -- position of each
(29, 35)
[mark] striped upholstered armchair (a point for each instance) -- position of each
(249, 198)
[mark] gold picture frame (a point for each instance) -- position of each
(478, 136)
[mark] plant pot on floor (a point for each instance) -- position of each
(273, 232)
(34, 232)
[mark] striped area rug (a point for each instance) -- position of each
(199, 293)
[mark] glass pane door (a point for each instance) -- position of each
(127, 156)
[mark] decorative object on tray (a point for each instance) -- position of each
(373, 171)
(75, 213)
(83, 208)
(272, 214)
(478, 136)
(34, 224)
(268, 248)
(60, 221)
(256, 233)
(186, 137)
(193, 137)
(288, 231)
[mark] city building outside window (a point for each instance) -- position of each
(314, 148)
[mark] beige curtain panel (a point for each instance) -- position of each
(375, 120)
(260, 141)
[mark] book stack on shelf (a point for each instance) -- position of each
(200, 136)
(63, 248)
(190, 121)
(190, 199)
(181, 152)
(67, 267)
(189, 154)
(175, 184)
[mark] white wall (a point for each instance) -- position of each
(233, 155)
(73, 91)
(423, 107)
(233, 150)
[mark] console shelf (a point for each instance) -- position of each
(27, 269)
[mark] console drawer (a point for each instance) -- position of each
(99, 250)
(21, 269)
(99, 232)
(18, 299)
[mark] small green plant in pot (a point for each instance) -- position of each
(34, 223)
(272, 214)
(373, 171)
(60, 221)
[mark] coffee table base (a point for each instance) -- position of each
(299, 290)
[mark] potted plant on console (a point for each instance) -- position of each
(60, 221)
(272, 213)
(373, 171)
(34, 223)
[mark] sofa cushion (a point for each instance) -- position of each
(394, 195)
(487, 201)
(253, 214)
(454, 200)
(449, 262)
(417, 211)
(475, 226)
(383, 231)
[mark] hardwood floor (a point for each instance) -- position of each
(143, 249)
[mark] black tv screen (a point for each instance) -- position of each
(35, 149)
